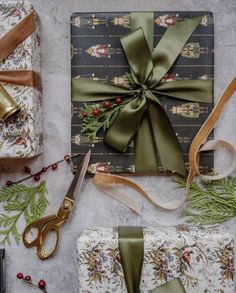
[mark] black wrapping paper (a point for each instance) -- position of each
(96, 53)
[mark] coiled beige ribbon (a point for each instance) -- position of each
(107, 182)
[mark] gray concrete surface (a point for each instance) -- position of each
(94, 207)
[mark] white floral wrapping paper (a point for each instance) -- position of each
(203, 258)
(22, 137)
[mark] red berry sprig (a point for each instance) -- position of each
(37, 175)
(27, 279)
(103, 107)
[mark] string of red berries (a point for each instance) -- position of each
(106, 104)
(27, 279)
(37, 175)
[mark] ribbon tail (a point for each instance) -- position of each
(145, 155)
(126, 124)
(84, 90)
(174, 286)
(165, 139)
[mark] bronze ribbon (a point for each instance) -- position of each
(143, 116)
(22, 77)
(107, 182)
(131, 246)
(9, 42)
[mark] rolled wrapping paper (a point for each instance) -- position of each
(8, 106)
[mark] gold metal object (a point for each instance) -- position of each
(8, 107)
(53, 223)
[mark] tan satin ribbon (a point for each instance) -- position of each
(107, 182)
(9, 42)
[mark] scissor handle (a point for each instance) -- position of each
(49, 228)
(39, 226)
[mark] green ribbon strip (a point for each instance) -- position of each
(131, 245)
(143, 118)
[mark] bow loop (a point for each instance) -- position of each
(138, 56)
(126, 124)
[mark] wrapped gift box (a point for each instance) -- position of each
(203, 259)
(22, 136)
(97, 55)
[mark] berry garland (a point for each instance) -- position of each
(28, 280)
(37, 175)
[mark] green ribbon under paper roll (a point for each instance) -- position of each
(131, 245)
(144, 118)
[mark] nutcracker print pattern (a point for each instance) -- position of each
(96, 54)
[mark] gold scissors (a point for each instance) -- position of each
(53, 223)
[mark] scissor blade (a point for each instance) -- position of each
(79, 177)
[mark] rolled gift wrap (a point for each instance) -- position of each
(8, 106)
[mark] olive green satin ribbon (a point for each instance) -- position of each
(131, 246)
(143, 117)
(173, 286)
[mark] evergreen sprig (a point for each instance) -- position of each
(20, 200)
(93, 124)
(210, 202)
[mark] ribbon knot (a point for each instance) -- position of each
(143, 118)
(143, 88)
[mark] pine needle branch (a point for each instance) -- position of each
(20, 200)
(210, 202)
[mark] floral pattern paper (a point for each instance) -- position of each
(21, 137)
(203, 258)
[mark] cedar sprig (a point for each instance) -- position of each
(92, 124)
(210, 202)
(20, 200)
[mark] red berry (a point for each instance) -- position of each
(44, 169)
(96, 112)
(42, 284)
(119, 100)
(67, 157)
(27, 170)
(54, 167)
(106, 104)
(37, 177)
(20, 276)
(84, 114)
(9, 183)
(28, 278)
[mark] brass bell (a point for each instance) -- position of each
(8, 107)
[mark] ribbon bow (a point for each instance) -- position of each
(131, 245)
(144, 116)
